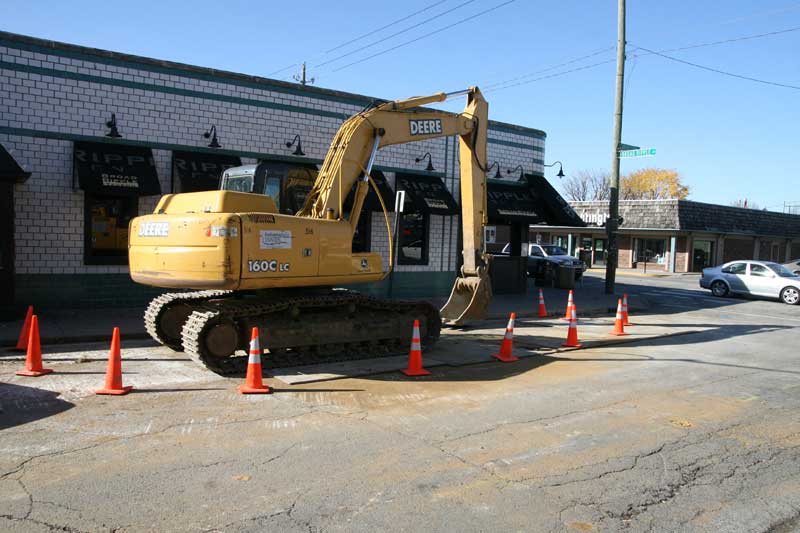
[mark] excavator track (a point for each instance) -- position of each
(166, 314)
(305, 328)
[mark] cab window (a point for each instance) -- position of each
(238, 183)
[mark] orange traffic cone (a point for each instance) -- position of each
(22, 342)
(572, 334)
(507, 346)
(253, 383)
(114, 371)
(415, 355)
(542, 308)
(33, 359)
(619, 328)
(625, 318)
(570, 303)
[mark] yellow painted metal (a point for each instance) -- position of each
(267, 249)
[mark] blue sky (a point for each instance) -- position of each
(730, 138)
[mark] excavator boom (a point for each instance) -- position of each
(399, 122)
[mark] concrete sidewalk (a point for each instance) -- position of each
(640, 272)
(86, 325)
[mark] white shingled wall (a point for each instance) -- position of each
(48, 95)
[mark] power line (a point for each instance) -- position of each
(364, 35)
(492, 87)
(598, 52)
(426, 35)
(717, 71)
(351, 41)
(370, 45)
(557, 74)
(735, 39)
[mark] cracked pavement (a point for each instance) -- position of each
(699, 432)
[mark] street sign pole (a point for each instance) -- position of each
(613, 197)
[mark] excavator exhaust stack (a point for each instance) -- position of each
(469, 299)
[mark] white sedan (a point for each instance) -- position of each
(757, 278)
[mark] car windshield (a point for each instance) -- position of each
(781, 270)
(554, 250)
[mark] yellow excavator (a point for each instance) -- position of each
(248, 265)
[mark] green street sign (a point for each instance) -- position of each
(645, 152)
(623, 146)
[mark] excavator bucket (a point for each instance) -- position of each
(469, 299)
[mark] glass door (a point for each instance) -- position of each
(702, 255)
(599, 252)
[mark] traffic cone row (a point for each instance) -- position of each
(619, 321)
(24, 335)
(542, 308)
(114, 371)
(33, 357)
(570, 303)
(505, 354)
(625, 319)
(415, 355)
(572, 333)
(253, 383)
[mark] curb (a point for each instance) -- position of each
(6, 345)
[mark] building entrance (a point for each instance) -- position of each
(702, 255)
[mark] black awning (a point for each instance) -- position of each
(201, 171)
(428, 193)
(512, 201)
(10, 171)
(115, 169)
(556, 210)
(371, 202)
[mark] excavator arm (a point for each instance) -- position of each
(351, 156)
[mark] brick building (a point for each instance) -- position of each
(65, 108)
(678, 235)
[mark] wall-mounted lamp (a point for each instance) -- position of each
(212, 133)
(299, 148)
(521, 171)
(560, 168)
(497, 174)
(429, 168)
(112, 126)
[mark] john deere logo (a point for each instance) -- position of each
(425, 127)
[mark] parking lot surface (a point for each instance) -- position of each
(696, 431)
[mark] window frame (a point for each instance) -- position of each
(89, 257)
(410, 209)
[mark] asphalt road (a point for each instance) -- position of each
(689, 433)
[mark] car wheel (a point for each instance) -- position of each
(790, 295)
(719, 289)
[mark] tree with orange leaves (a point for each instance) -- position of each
(653, 184)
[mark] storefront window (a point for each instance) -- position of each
(413, 239)
(106, 223)
(651, 250)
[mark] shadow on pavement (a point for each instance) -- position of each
(20, 405)
(490, 371)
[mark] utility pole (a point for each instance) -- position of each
(612, 224)
(302, 78)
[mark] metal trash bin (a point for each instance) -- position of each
(565, 276)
